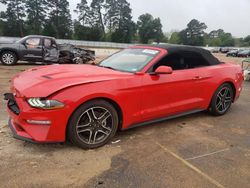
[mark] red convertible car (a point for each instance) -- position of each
(143, 84)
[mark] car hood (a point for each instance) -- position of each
(7, 44)
(46, 80)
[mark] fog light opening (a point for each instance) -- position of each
(38, 122)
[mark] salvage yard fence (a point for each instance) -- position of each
(94, 44)
(90, 44)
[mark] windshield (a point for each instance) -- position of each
(130, 60)
(21, 40)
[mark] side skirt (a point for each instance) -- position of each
(164, 118)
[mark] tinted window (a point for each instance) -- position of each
(182, 60)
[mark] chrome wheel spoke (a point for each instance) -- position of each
(82, 126)
(8, 58)
(101, 131)
(218, 105)
(86, 129)
(220, 96)
(224, 100)
(90, 135)
(94, 139)
(104, 116)
(226, 92)
(94, 125)
(91, 114)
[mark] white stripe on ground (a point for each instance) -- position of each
(205, 155)
(211, 180)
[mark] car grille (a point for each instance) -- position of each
(12, 105)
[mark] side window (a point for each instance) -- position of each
(175, 60)
(47, 43)
(182, 60)
(195, 60)
(32, 43)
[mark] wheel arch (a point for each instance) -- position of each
(233, 87)
(109, 100)
(225, 82)
(10, 50)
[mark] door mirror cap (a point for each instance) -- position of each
(164, 70)
(54, 45)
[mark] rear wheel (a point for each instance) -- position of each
(8, 58)
(222, 100)
(93, 124)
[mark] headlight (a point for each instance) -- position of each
(45, 104)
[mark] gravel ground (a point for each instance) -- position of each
(192, 151)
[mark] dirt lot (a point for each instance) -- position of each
(193, 151)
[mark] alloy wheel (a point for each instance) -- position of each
(95, 125)
(224, 100)
(8, 58)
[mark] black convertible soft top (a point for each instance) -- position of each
(187, 50)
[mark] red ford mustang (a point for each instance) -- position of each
(143, 84)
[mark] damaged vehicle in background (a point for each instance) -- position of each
(36, 48)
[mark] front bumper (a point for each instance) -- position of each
(18, 134)
(20, 112)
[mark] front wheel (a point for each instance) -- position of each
(93, 124)
(8, 58)
(222, 100)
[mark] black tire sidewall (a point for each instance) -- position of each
(71, 128)
(212, 109)
(8, 52)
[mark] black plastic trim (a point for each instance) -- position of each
(165, 118)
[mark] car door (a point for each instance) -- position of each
(171, 94)
(51, 51)
(32, 49)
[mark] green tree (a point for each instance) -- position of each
(1, 28)
(36, 15)
(194, 33)
(83, 11)
(220, 38)
(97, 15)
(149, 28)
(85, 28)
(59, 23)
(86, 33)
(120, 21)
(175, 38)
(247, 41)
(13, 17)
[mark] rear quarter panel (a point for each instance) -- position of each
(219, 74)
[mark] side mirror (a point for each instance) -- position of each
(54, 45)
(164, 70)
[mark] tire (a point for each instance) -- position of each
(222, 100)
(8, 58)
(93, 124)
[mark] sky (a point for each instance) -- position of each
(231, 15)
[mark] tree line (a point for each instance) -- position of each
(102, 20)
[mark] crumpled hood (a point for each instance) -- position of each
(46, 80)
